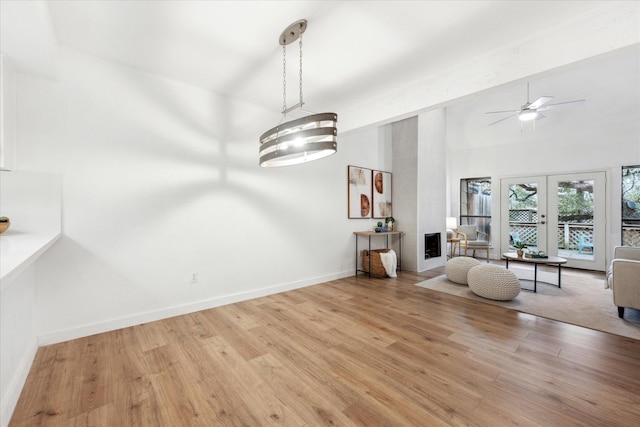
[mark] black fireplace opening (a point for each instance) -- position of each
(432, 245)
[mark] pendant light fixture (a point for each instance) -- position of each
(302, 140)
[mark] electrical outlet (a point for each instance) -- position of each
(194, 277)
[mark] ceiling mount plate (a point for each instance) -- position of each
(292, 32)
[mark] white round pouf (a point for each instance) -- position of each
(456, 269)
(493, 282)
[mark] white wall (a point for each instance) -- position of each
(7, 114)
(405, 187)
(160, 179)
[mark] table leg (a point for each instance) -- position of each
(559, 279)
(369, 256)
(356, 254)
(535, 277)
(400, 251)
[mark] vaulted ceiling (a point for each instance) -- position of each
(354, 51)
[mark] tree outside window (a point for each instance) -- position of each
(631, 205)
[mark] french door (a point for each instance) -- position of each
(560, 215)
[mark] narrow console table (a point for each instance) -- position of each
(551, 260)
(368, 235)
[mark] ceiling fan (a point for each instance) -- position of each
(532, 110)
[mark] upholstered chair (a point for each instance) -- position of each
(472, 239)
(624, 278)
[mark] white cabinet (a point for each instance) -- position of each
(7, 114)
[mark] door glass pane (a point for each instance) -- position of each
(575, 219)
(631, 206)
(523, 215)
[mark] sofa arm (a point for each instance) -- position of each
(627, 252)
(626, 283)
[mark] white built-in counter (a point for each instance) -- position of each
(19, 250)
(32, 201)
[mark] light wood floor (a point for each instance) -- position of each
(356, 351)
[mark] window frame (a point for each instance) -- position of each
(631, 228)
(482, 218)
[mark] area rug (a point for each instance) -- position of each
(581, 301)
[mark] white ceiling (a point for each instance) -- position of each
(610, 83)
(353, 50)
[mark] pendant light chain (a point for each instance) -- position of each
(284, 78)
(301, 103)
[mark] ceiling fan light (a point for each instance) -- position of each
(532, 110)
(527, 116)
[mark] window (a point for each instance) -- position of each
(475, 203)
(631, 205)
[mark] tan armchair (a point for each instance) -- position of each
(472, 239)
(624, 278)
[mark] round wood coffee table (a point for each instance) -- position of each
(551, 260)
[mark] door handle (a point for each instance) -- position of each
(542, 222)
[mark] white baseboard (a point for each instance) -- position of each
(151, 316)
(10, 400)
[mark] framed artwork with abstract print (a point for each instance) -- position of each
(381, 194)
(359, 193)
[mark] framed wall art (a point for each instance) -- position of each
(381, 201)
(359, 192)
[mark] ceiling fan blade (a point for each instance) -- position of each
(505, 118)
(540, 116)
(561, 104)
(538, 102)
(507, 111)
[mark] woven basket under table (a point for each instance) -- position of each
(377, 269)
